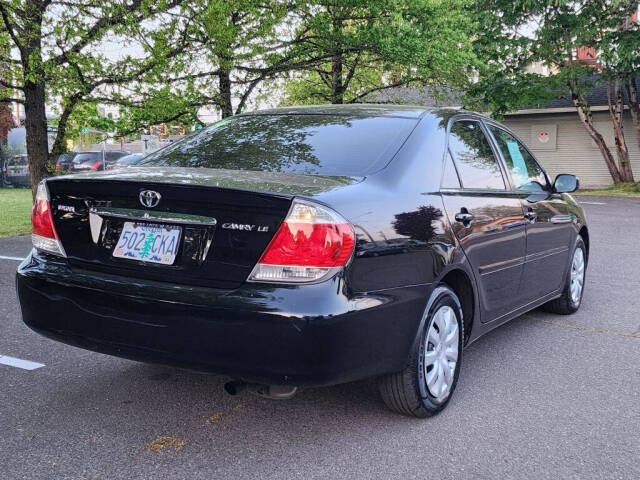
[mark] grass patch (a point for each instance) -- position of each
(15, 211)
(621, 190)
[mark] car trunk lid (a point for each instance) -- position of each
(227, 218)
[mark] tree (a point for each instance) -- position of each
(419, 224)
(373, 45)
(633, 99)
(59, 53)
(618, 44)
(242, 44)
(619, 48)
(515, 34)
(231, 50)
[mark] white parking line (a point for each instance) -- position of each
(17, 259)
(19, 363)
(593, 203)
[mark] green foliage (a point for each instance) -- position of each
(308, 87)
(371, 45)
(84, 52)
(513, 35)
(15, 214)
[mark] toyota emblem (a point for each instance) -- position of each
(149, 198)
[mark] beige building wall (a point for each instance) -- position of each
(572, 150)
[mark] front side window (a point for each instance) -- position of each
(477, 165)
(526, 174)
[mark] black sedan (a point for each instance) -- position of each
(16, 171)
(309, 246)
(86, 161)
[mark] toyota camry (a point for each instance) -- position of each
(309, 246)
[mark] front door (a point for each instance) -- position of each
(549, 222)
(486, 217)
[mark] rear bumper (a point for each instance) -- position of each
(297, 335)
(18, 180)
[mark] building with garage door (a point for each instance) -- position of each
(561, 143)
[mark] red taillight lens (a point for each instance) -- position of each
(44, 235)
(312, 242)
(96, 165)
(41, 218)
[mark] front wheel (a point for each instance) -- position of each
(426, 385)
(571, 298)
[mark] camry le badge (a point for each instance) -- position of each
(150, 198)
(245, 227)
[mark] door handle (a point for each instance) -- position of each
(464, 217)
(530, 215)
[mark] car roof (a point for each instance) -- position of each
(362, 109)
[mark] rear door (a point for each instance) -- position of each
(486, 216)
(549, 225)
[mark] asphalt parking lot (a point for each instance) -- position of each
(543, 397)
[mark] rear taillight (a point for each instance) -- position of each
(312, 243)
(96, 165)
(44, 236)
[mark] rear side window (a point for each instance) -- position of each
(477, 165)
(449, 175)
(300, 143)
(526, 174)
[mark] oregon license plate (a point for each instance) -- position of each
(149, 243)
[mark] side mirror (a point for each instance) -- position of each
(566, 183)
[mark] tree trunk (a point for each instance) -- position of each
(337, 61)
(616, 111)
(36, 130)
(59, 144)
(584, 113)
(225, 94)
(34, 94)
(634, 105)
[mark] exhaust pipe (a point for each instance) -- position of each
(273, 392)
(234, 388)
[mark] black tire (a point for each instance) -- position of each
(406, 392)
(564, 304)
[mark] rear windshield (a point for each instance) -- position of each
(88, 157)
(302, 143)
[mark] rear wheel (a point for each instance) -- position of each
(571, 298)
(426, 385)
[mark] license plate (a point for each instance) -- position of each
(16, 171)
(149, 243)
